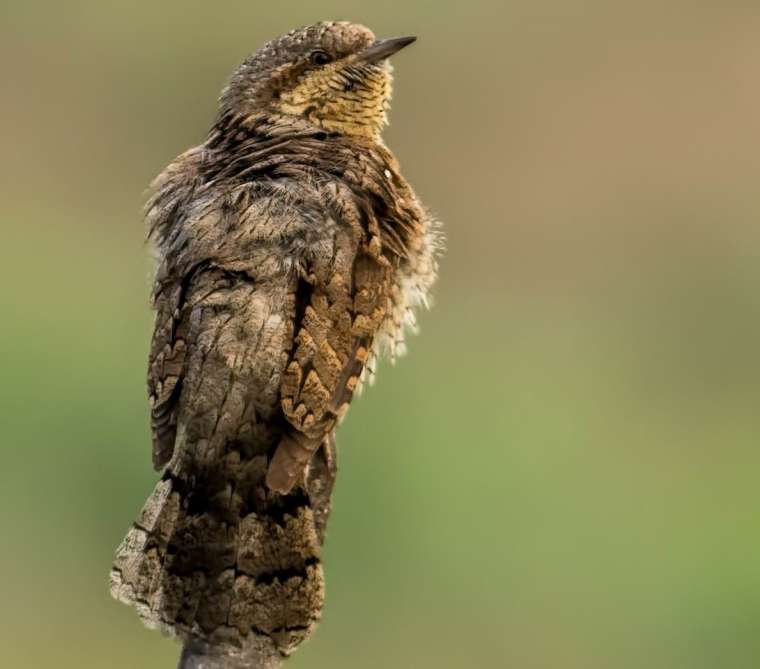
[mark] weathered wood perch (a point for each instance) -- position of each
(197, 655)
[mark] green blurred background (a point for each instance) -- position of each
(562, 473)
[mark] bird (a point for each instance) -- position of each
(290, 255)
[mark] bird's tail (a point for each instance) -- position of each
(219, 560)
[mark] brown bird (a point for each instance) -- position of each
(290, 253)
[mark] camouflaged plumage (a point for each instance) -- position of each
(290, 253)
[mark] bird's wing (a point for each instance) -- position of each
(337, 320)
(166, 363)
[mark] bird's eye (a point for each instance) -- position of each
(320, 58)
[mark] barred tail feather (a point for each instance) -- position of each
(226, 563)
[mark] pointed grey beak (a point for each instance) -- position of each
(384, 48)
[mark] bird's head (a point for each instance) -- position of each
(334, 75)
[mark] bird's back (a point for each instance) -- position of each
(286, 255)
(215, 554)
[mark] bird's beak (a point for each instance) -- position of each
(384, 48)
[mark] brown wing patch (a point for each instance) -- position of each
(165, 370)
(331, 348)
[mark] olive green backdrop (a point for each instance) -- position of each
(562, 473)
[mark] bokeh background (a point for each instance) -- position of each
(562, 473)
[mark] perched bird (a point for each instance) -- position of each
(290, 253)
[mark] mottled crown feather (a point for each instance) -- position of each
(256, 81)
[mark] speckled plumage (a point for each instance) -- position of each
(290, 252)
